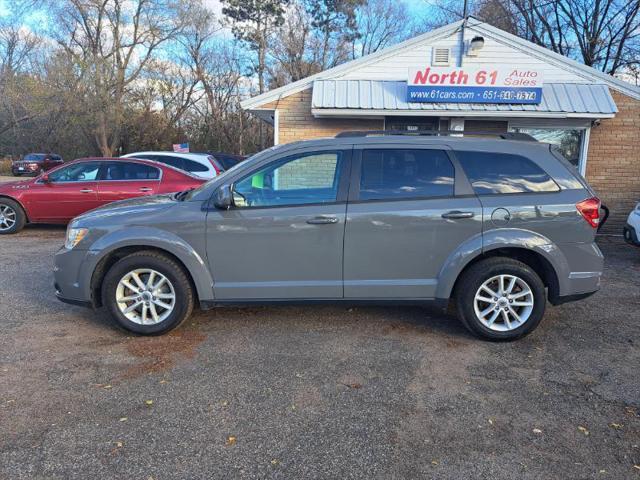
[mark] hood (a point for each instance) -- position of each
(127, 209)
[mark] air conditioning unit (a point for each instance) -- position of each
(440, 57)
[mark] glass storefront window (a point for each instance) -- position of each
(568, 140)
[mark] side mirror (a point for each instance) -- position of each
(223, 198)
(45, 178)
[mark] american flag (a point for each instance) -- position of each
(181, 147)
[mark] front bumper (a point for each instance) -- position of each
(630, 235)
(25, 169)
(71, 280)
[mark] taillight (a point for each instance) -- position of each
(215, 165)
(590, 210)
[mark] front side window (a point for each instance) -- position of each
(419, 173)
(296, 180)
(79, 172)
(493, 173)
(130, 171)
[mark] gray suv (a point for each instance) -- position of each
(497, 225)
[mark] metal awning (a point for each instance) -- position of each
(376, 97)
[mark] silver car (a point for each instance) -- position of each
(496, 225)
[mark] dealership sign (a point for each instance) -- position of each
(474, 85)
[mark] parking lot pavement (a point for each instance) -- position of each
(314, 392)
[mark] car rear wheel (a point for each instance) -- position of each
(12, 217)
(148, 293)
(500, 299)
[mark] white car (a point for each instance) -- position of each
(632, 228)
(201, 165)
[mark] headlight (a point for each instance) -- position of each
(74, 235)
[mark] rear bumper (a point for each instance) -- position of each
(630, 235)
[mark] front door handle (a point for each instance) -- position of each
(455, 214)
(322, 220)
(146, 189)
(86, 190)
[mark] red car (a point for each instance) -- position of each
(76, 187)
(35, 163)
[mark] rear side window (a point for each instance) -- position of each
(390, 174)
(501, 173)
(130, 171)
(191, 166)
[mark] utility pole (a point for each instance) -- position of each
(465, 14)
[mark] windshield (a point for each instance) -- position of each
(34, 156)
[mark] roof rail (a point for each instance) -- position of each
(436, 133)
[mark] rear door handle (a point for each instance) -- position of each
(322, 220)
(455, 214)
(86, 190)
(146, 189)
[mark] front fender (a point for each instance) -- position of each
(495, 239)
(150, 237)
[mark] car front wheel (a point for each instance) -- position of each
(500, 299)
(148, 293)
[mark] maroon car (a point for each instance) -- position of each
(35, 163)
(76, 187)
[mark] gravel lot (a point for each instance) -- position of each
(314, 392)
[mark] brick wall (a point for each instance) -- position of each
(313, 171)
(296, 122)
(613, 162)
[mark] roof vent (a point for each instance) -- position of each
(440, 57)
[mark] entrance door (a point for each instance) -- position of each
(404, 219)
(283, 237)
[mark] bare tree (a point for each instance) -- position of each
(110, 43)
(379, 23)
(296, 51)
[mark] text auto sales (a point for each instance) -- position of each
(464, 85)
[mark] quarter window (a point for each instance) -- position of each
(389, 174)
(492, 173)
(296, 180)
(568, 140)
(79, 172)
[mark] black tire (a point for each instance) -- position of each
(15, 174)
(20, 216)
(473, 278)
(184, 294)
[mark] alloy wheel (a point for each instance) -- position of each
(503, 303)
(145, 296)
(7, 217)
